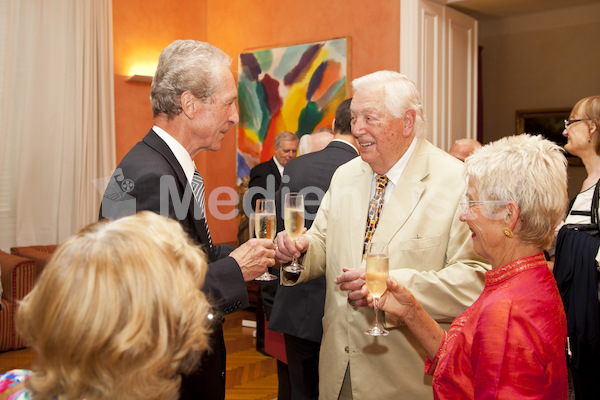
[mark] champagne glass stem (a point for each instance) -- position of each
(376, 304)
(294, 261)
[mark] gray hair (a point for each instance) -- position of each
(284, 135)
(400, 94)
(186, 65)
(529, 170)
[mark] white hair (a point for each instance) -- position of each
(530, 170)
(400, 94)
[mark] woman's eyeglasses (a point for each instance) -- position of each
(466, 204)
(569, 122)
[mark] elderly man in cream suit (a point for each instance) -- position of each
(430, 250)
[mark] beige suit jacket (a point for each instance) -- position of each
(430, 252)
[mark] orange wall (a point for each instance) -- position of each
(235, 26)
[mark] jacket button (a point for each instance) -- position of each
(347, 349)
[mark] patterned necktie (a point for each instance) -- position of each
(198, 189)
(375, 209)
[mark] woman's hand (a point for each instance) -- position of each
(399, 301)
(396, 300)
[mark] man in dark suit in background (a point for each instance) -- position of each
(261, 176)
(267, 177)
(193, 97)
(298, 310)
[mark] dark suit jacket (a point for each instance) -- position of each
(258, 178)
(298, 310)
(148, 175)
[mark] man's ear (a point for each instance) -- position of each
(410, 116)
(188, 103)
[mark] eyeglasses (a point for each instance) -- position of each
(466, 204)
(569, 122)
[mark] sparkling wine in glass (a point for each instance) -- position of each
(294, 224)
(264, 226)
(377, 275)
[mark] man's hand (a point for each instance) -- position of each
(286, 248)
(254, 257)
(352, 280)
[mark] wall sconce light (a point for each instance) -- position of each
(140, 78)
(142, 71)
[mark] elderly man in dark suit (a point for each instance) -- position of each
(298, 310)
(193, 97)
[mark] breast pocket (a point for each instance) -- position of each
(422, 253)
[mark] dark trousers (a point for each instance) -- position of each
(585, 380)
(303, 367)
(284, 389)
(208, 380)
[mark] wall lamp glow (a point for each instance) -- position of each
(140, 78)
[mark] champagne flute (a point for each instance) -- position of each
(294, 224)
(263, 224)
(377, 274)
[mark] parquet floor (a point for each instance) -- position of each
(250, 374)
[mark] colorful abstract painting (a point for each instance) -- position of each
(294, 88)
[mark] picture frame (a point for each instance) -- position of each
(295, 87)
(546, 122)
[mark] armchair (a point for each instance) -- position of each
(40, 254)
(18, 278)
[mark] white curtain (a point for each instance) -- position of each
(56, 117)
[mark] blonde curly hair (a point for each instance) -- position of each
(118, 312)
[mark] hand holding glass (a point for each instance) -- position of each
(377, 275)
(263, 225)
(294, 224)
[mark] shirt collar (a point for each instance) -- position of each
(348, 143)
(180, 153)
(279, 166)
(396, 171)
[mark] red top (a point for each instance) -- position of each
(510, 344)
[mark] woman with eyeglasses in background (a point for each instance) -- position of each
(577, 258)
(510, 343)
(581, 131)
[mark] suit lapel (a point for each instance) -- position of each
(362, 182)
(406, 195)
(154, 141)
(275, 172)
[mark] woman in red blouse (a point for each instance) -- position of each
(510, 344)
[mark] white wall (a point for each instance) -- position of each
(534, 61)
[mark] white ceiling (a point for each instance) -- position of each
(486, 9)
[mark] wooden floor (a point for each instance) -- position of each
(250, 374)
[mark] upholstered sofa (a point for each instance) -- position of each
(18, 278)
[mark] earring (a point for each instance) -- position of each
(590, 139)
(507, 232)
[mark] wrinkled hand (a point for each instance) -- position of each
(396, 300)
(286, 248)
(352, 280)
(254, 257)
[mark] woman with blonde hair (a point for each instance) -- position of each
(117, 314)
(510, 343)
